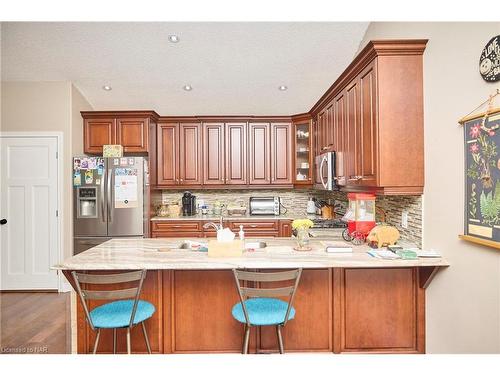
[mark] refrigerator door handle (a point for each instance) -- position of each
(103, 213)
(109, 203)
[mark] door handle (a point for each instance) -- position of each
(3, 221)
(355, 178)
(325, 185)
(103, 213)
(110, 218)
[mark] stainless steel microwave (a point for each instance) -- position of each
(326, 174)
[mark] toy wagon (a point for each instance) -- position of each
(360, 217)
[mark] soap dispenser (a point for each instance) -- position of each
(241, 233)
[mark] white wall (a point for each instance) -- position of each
(48, 106)
(463, 301)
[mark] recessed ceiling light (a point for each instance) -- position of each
(173, 38)
(187, 87)
(282, 88)
(107, 88)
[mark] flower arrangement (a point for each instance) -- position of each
(302, 224)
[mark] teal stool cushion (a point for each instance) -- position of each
(263, 311)
(117, 314)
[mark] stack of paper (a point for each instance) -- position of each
(428, 253)
(383, 254)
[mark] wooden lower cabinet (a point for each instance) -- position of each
(194, 228)
(381, 310)
(311, 329)
(152, 291)
(201, 312)
(376, 310)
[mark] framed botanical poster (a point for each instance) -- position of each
(482, 178)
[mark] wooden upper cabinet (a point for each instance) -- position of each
(131, 129)
(329, 116)
(259, 154)
(281, 153)
(190, 167)
(213, 154)
(378, 119)
(236, 154)
(368, 126)
(340, 127)
(303, 150)
(132, 134)
(168, 154)
(96, 133)
(352, 135)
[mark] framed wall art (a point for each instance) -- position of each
(482, 178)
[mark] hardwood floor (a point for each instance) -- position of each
(35, 323)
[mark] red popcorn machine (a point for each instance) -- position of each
(360, 217)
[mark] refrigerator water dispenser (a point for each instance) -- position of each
(87, 202)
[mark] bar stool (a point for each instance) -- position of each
(257, 309)
(123, 313)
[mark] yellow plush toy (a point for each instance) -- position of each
(383, 235)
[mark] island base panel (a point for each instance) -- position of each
(338, 310)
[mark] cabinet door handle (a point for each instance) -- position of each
(253, 226)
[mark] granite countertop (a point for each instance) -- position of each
(211, 217)
(126, 254)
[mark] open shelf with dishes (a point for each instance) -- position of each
(302, 153)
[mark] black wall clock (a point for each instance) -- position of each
(489, 62)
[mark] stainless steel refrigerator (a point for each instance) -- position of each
(108, 199)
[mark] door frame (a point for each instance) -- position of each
(59, 136)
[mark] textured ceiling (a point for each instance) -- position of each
(234, 68)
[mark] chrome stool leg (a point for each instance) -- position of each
(280, 339)
(128, 341)
(114, 340)
(97, 340)
(146, 337)
(246, 339)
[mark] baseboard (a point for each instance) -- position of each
(64, 285)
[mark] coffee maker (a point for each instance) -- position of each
(188, 204)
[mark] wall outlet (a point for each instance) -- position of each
(404, 219)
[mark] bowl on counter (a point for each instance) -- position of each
(234, 211)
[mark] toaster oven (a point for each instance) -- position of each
(265, 205)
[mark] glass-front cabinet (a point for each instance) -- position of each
(303, 161)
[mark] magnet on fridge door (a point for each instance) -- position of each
(76, 164)
(97, 181)
(84, 163)
(131, 161)
(123, 162)
(77, 178)
(89, 176)
(100, 163)
(100, 170)
(116, 161)
(92, 163)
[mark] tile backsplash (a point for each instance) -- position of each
(295, 201)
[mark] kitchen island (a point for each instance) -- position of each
(345, 302)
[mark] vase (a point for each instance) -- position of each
(302, 239)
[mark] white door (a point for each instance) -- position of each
(29, 238)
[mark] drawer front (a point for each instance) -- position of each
(165, 234)
(252, 226)
(176, 226)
